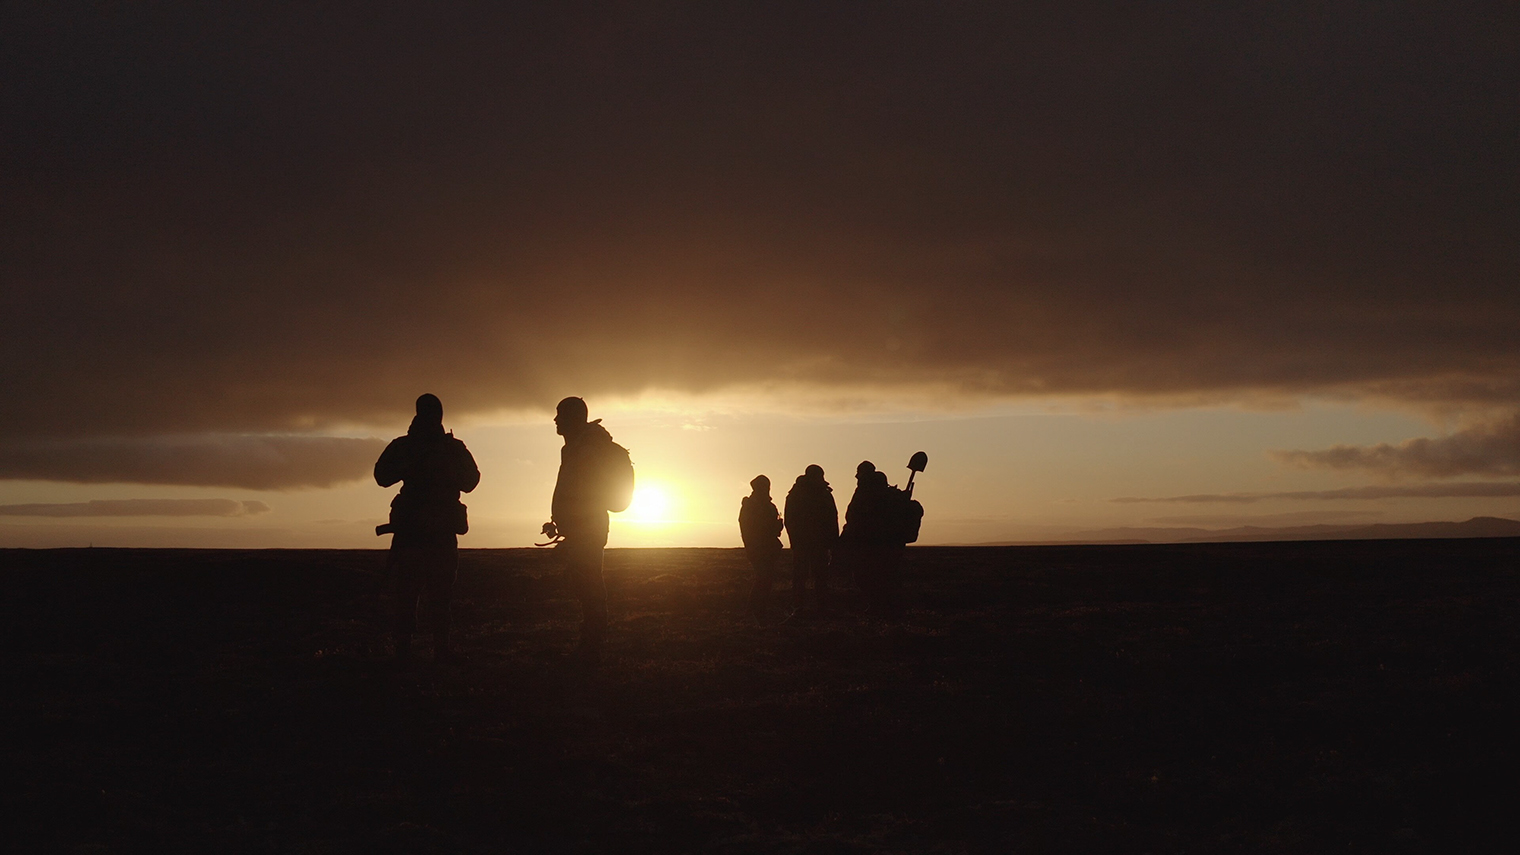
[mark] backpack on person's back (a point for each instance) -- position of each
(910, 518)
(616, 476)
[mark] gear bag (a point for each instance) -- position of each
(430, 517)
(912, 518)
(616, 477)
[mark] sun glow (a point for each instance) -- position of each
(651, 504)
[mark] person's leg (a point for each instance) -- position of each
(868, 575)
(408, 563)
(443, 570)
(802, 559)
(891, 579)
(764, 565)
(583, 565)
(820, 573)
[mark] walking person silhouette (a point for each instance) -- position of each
(595, 477)
(426, 521)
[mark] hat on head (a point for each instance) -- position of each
(572, 408)
(428, 406)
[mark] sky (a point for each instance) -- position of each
(1123, 264)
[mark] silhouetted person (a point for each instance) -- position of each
(595, 477)
(760, 527)
(426, 520)
(873, 539)
(812, 526)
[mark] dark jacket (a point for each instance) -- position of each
(579, 506)
(434, 468)
(760, 524)
(874, 517)
(812, 518)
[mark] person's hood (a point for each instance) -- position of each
(425, 428)
(807, 483)
(592, 433)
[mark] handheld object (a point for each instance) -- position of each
(551, 531)
(916, 464)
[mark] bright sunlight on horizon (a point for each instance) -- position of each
(651, 505)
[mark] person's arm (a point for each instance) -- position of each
(466, 473)
(390, 467)
(555, 503)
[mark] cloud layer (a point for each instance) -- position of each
(1467, 490)
(1488, 449)
(249, 462)
(139, 508)
(226, 221)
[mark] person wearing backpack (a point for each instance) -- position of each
(873, 538)
(595, 477)
(426, 521)
(760, 529)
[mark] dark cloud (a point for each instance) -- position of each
(1468, 490)
(251, 462)
(1489, 449)
(1297, 518)
(139, 508)
(265, 218)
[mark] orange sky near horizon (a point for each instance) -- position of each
(1019, 473)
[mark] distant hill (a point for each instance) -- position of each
(1475, 527)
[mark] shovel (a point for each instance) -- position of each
(916, 464)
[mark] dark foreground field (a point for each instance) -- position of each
(1290, 697)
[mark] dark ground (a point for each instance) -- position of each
(1285, 697)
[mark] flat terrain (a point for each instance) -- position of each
(1283, 697)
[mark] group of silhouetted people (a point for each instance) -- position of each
(812, 525)
(879, 522)
(595, 479)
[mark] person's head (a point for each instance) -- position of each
(878, 480)
(814, 471)
(569, 416)
(429, 408)
(864, 470)
(761, 485)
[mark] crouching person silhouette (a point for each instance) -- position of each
(760, 529)
(426, 521)
(595, 477)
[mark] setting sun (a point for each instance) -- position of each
(651, 504)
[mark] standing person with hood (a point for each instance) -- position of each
(872, 537)
(812, 525)
(426, 520)
(595, 477)
(760, 527)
